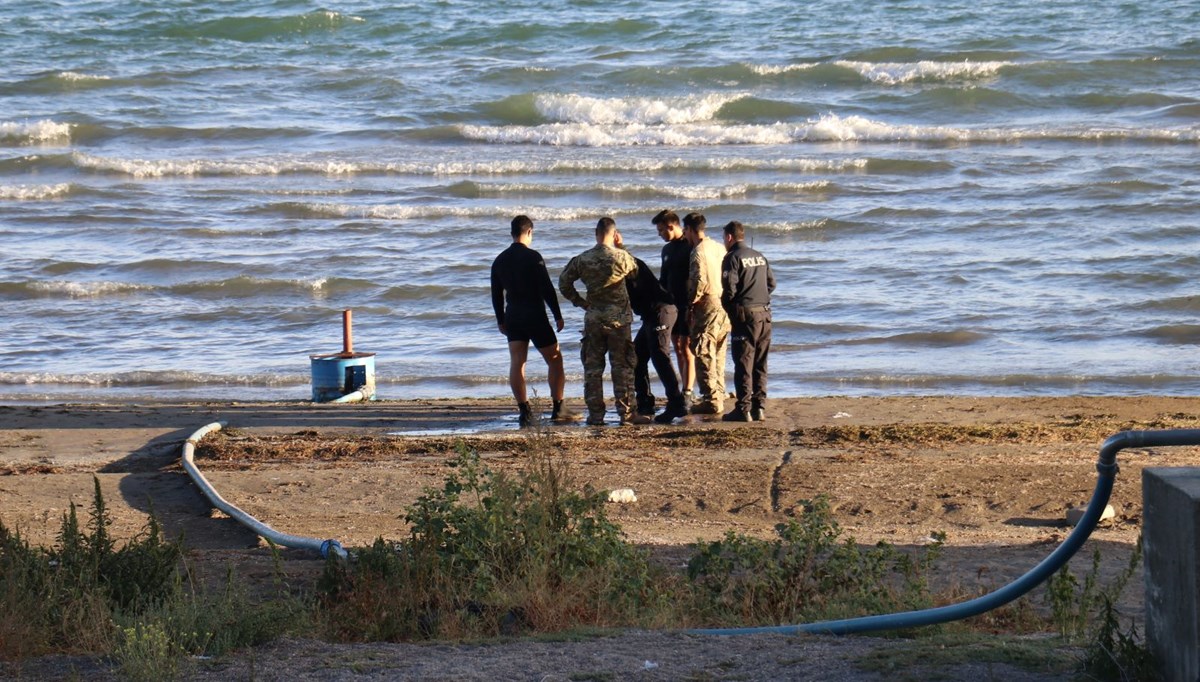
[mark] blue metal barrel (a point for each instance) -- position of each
(333, 376)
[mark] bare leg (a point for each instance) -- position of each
(687, 362)
(518, 353)
(557, 376)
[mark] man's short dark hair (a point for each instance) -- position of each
(695, 222)
(736, 230)
(665, 217)
(521, 225)
(605, 225)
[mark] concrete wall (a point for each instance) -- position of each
(1170, 527)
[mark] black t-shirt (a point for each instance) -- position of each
(519, 276)
(674, 272)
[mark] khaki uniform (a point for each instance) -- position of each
(710, 327)
(606, 325)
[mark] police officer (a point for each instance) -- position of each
(747, 283)
(604, 270)
(652, 343)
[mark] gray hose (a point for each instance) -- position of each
(260, 528)
(1107, 468)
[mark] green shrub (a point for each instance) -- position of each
(490, 553)
(808, 573)
(1086, 612)
(146, 653)
(65, 598)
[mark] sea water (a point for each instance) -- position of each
(976, 198)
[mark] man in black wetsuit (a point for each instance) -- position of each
(519, 274)
(747, 283)
(673, 274)
(651, 302)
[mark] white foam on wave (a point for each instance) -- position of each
(636, 134)
(158, 168)
(33, 192)
(74, 77)
(38, 131)
(86, 289)
(776, 69)
(155, 168)
(693, 192)
(400, 212)
(894, 73)
(827, 128)
(631, 110)
(793, 226)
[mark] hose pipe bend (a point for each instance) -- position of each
(1106, 467)
(352, 397)
(325, 547)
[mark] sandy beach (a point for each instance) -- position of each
(996, 475)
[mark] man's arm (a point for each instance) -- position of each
(497, 298)
(566, 284)
(729, 281)
(550, 297)
(695, 273)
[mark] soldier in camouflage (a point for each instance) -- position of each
(604, 270)
(709, 323)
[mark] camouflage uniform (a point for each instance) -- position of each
(710, 324)
(606, 324)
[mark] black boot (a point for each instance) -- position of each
(737, 415)
(758, 411)
(676, 408)
(562, 413)
(525, 418)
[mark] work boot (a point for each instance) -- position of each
(737, 415)
(595, 419)
(646, 406)
(675, 409)
(562, 413)
(687, 401)
(706, 407)
(525, 418)
(758, 412)
(637, 419)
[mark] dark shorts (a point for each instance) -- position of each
(681, 322)
(535, 329)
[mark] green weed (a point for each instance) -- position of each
(809, 572)
(490, 554)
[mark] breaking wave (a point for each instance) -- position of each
(34, 192)
(39, 132)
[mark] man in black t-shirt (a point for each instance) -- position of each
(520, 279)
(673, 274)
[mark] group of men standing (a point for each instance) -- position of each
(704, 294)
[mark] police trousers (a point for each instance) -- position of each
(751, 346)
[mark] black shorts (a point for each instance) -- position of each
(533, 328)
(681, 322)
